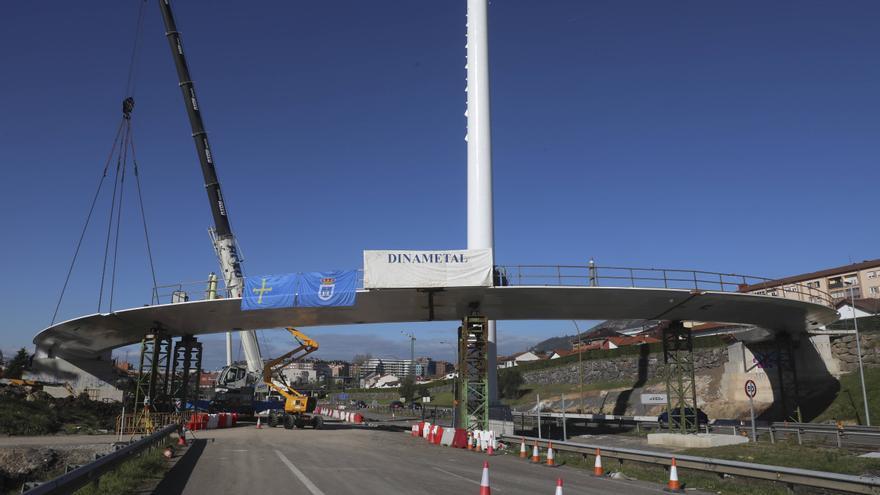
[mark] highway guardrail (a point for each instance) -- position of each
(92, 472)
(786, 475)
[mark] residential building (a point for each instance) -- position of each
(863, 278)
(517, 359)
(399, 367)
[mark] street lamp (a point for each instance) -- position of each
(580, 363)
(852, 299)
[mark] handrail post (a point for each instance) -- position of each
(632, 278)
(665, 280)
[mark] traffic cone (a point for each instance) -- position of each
(259, 424)
(181, 442)
(490, 450)
(523, 454)
(558, 486)
(484, 482)
(551, 461)
(674, 485)
(536, 454)
(470, 441)
(597, 467)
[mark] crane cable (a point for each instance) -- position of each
(121, 144)
(116, 141)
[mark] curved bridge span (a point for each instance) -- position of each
(93, 334)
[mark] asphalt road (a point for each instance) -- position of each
(344, 459)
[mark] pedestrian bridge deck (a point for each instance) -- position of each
(90, 335)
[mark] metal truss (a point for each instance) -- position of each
(186, 369)
(681, 390)
(472, 401)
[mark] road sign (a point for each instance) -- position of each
(751, 389)
(655, 399)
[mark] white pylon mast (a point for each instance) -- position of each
(480, 224)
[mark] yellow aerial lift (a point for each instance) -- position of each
(297, 407)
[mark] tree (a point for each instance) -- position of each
(408, 388)
(18, 364)
(509, 381)
(423, 391)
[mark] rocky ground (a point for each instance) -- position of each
(20, 464)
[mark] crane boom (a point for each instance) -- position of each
(224, 240)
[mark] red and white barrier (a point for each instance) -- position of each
(202, 421)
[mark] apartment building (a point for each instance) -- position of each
(863, 278)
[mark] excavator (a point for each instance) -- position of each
(297, 406)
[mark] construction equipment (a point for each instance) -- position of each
(222, 237)
(297, 406)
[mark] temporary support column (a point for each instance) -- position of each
(473, 385)
(186, 370)
(152, 384)
(479, 156)
(681, 390)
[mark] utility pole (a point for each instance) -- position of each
(852, 299)
(412, 351)
(580, 364)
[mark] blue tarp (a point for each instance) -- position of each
(269, 291)
(333, 288)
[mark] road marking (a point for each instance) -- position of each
(299, 474)
(462, 477)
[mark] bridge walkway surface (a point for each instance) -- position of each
(349, 460)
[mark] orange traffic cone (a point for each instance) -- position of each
(523, 454)
(259, 425)
(597, 467)
(479, 442)
(489, 449)
(536, 454)
(181, 441)
(551, 461)
(674, 485)
(558, 486)
(484, 482)
(470, 441)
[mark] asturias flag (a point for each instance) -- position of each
(269, 291)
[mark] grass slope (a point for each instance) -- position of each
(848, 406)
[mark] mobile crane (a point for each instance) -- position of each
(236, 385)
(297, 406)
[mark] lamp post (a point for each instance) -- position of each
(852, 298)
(580, 364)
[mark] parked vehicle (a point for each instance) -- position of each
(415, 406)
(396, 404)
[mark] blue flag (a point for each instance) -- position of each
(335, 288)
(269, 291)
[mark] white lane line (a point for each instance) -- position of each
(299, 474)
(462, 477)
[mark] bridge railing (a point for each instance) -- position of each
(580, 276)
(653, 278)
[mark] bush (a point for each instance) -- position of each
(509, 382)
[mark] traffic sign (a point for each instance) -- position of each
(751, 389)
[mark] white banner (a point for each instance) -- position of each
(654, 399)
(423, 269)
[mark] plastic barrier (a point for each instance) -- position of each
(447, 437)
(438, 435)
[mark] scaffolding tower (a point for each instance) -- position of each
(472, 401)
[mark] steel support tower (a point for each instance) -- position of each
(681, 389)
(155, 365)
(472, 401)
(186, 369)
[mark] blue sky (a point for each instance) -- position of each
(737, 137)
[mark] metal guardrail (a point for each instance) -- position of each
(855, 435)
(786, 475)
(91, 472)
(577, 276)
